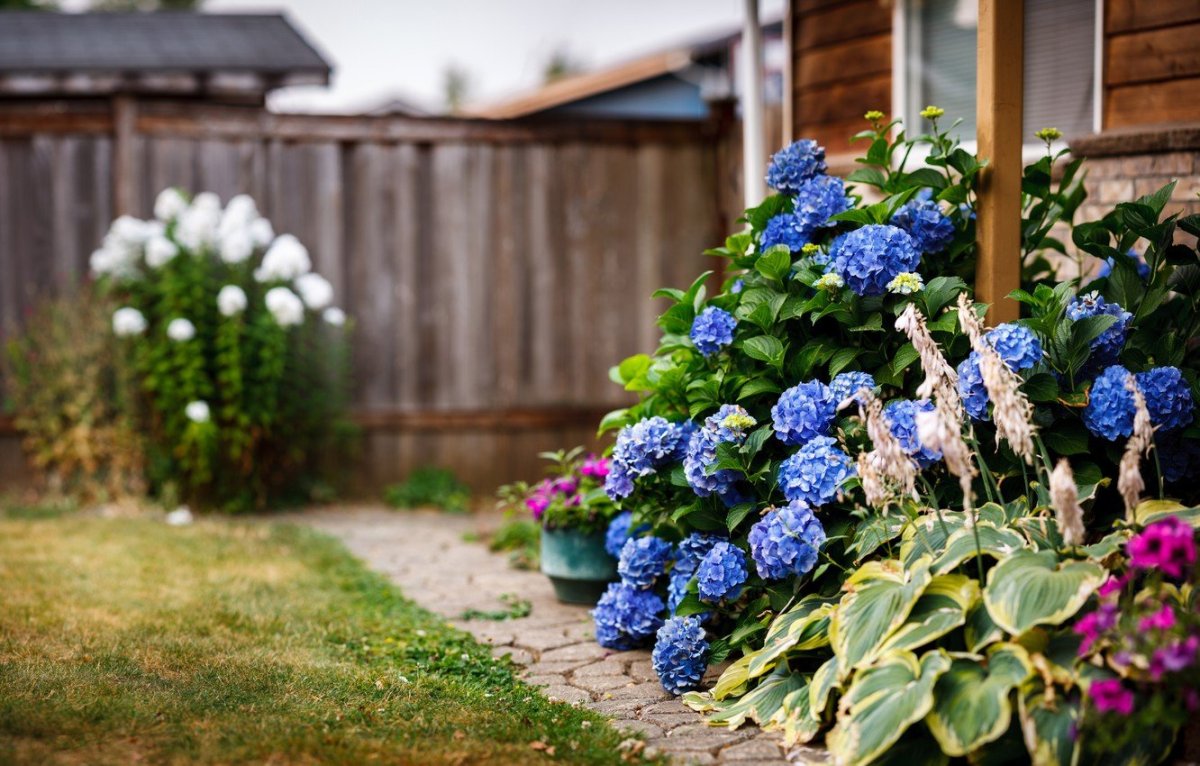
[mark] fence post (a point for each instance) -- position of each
(124, 172)
(998, 120)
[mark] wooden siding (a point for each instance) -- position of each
(841, 67)
(1152, 64)
(494, 271)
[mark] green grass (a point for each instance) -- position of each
(221, 642)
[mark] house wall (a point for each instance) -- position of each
(1152, 62)
(841, 67)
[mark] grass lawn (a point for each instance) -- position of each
(124, 640)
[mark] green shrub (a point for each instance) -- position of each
(239, 358)
(430, 488)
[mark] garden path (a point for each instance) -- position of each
(426, 555)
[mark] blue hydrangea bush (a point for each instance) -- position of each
(792, 477)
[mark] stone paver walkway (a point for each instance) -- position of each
(426, 555)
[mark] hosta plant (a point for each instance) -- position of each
(237, 350)
(883, 513)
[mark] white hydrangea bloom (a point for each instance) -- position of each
(231, 300)
(261, 232)
(315, 290)
(285, 260)
(285, 306)
(334, 316)
(196, 228)
(235, 246)
(121, 250)
(127, 321)
(197, 411)
(181, 329)
(169, 205)
(160, 251)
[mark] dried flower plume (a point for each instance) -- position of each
(1129, 478)
(1064, 498)
(1011, 409)
(887, 470)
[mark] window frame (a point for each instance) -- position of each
(1030, 151)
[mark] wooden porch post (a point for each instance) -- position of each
(998, 124)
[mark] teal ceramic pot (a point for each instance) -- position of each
(577, 565)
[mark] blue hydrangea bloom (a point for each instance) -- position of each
(643, 560)
(692, 549)
(721, 573)
(1168, 397)
(642, 449)
(737, 287)
(846, 384)
(626, 617)
(819, 200)
(1143, 268)
(871, 257)
(619, 531)
(971, 389)
(786, 541)
(677, 584)
(792, 166)
(901, 416)
(803, 412)
(680, 654)
(785, 229)
(727, 425)
(1017, 345)
(930, 229)
(1106, 348)
(1179, 457)
(1110, 407)
(712, 330)
(816, 472)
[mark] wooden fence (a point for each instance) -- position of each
(494, 270)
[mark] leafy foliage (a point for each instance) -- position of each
(430, 488)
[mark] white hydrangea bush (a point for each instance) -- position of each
(236, 342)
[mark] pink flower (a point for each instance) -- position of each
(537, 505)
(1174, 657)
(1163, 619)
(564, 485)
(1110, 696)
(1091, 625)
(1168, 545)
(594, 467)
(1111, 586)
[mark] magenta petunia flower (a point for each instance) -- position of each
(1111, 587)
(1091, 625)
(1168, 545)
(594, 467)
(1174, 657)
(1110, 696)
(1163, 619)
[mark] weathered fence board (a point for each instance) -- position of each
(494, 270)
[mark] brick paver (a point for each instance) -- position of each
(425, 554)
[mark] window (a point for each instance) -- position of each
(937, 42)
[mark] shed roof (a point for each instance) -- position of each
(159, 43)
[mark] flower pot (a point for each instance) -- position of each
(577, 565)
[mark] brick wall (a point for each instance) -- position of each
(1123, 166)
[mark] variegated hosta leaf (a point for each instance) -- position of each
(1032, 588)
(872, 533)
(802, 628)
(962, 545)
(733, 681)
(928, 534)
(881, 596)
(1041, 531)
(824, 681)
(916, 748)
(980, 631)
(798, 722)
(763, 704)
(1048, 724)
(971, 700)
(1113, 543)
(884, 700)
(940, 609)
(1150, 511)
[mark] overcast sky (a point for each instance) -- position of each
(402, 47)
